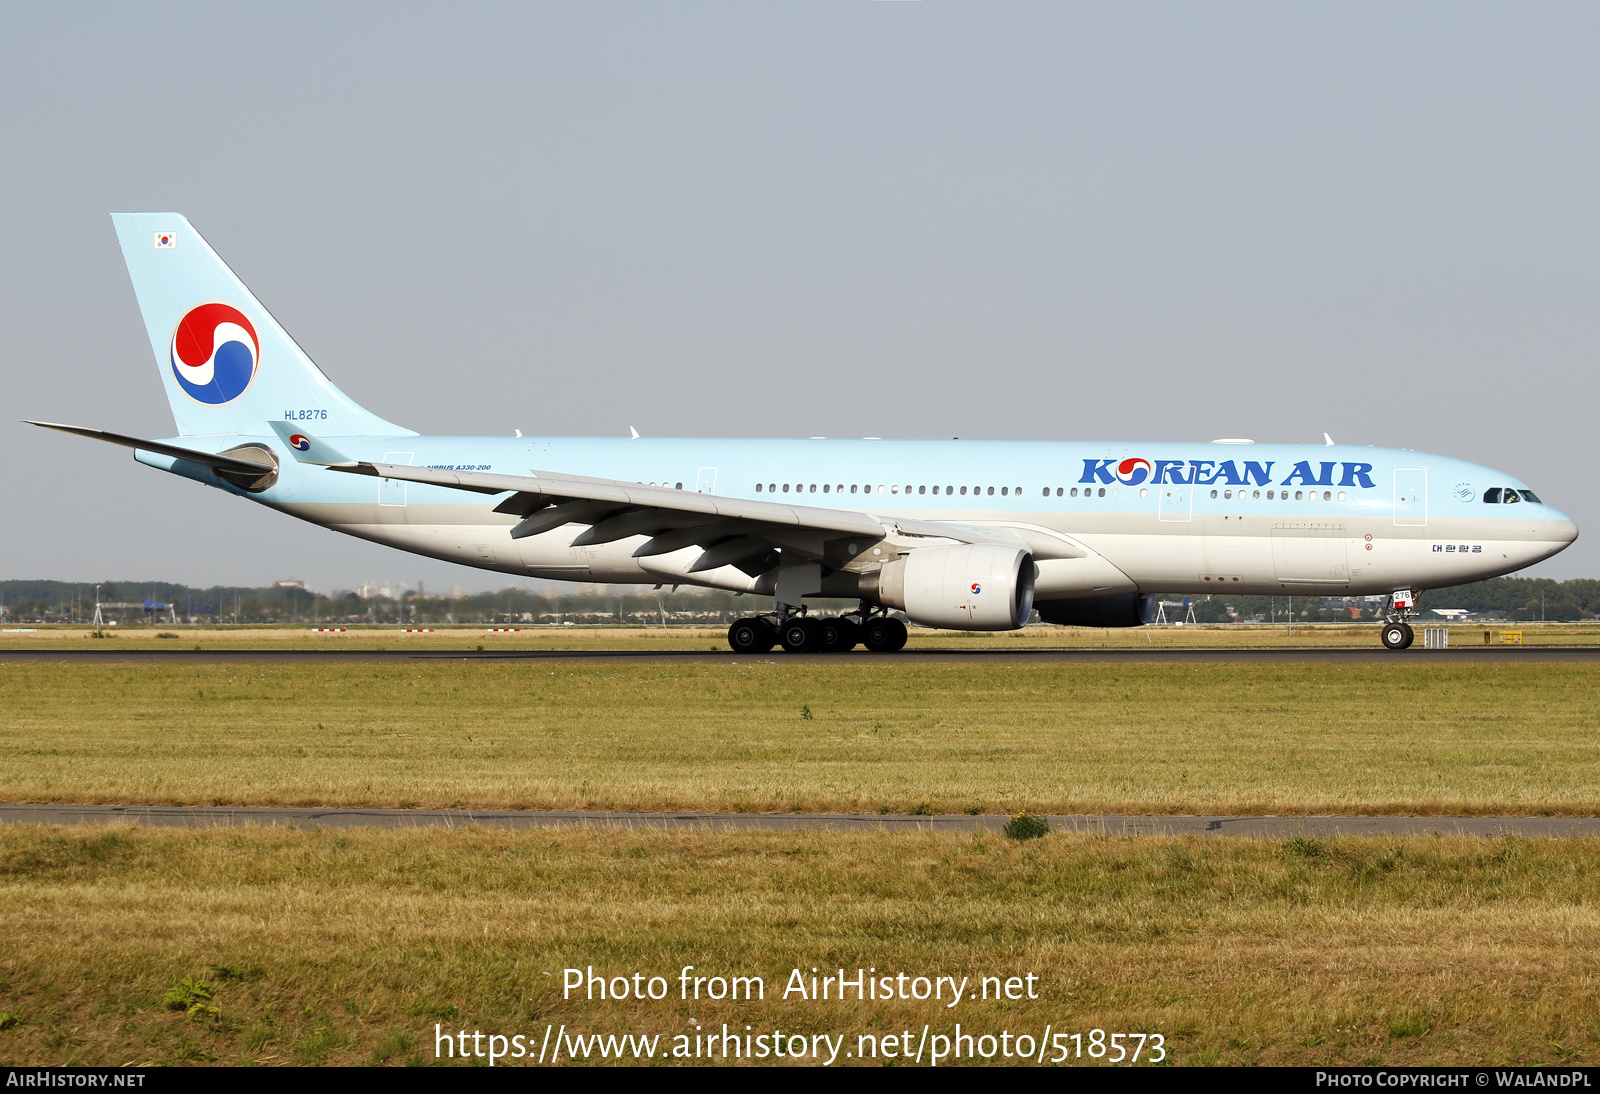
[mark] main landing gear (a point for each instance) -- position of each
(1397, 633)
(798, 633)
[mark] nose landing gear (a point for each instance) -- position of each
(1397, 633)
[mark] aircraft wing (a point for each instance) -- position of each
(730, 531)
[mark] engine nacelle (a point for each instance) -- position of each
(1119, 610)
(973, 586)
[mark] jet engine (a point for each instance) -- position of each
(1119, 610)
(973, 586)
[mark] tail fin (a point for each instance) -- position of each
(227, 365)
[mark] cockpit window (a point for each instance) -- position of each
(1529, 495)
(1492, 495)
(1510, 496)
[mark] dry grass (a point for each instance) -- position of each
(1414, 737)
(611, 639)
(346, 948)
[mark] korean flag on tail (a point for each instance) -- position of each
(166, 241)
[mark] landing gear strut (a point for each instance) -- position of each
(1397, 633)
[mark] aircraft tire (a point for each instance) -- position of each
(800, 635)
(750, 636)
(838, 635)
(883, 635)
(1396, 636)
(900, 635)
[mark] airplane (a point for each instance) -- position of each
(975, 535)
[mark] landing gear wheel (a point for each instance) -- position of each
(884, 635)
(1397, 636)
(900, 635)
(750, 636)
(800, 635)
(838, 635)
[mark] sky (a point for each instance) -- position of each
(1129, 221)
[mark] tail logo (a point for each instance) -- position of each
(300, 441)
(215, 353)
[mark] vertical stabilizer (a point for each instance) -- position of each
(227, 366)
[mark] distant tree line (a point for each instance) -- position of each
(73, 602)
(1524, 599)
(1515, 598)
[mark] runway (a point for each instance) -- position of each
(1465, 655)
(171, 816)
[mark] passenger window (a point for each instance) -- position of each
(813, 488)
(824, 488)
(1256, 494)
(1226, 494)
(1074, 491)
(922, 489)
(991, 491)
(1002, 491)
(678, 487)
(949, 490)
(1059, 491)
(1269, 495)
(1327, 495)
(963, 491)
(1298, 495)
(1213, 494)
(852, 488)
(1529, 495)
(785, 488)
(1102, 491)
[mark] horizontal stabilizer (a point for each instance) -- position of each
(209, 459)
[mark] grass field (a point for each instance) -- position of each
(862, 735)
(26, 636)
(347, 948)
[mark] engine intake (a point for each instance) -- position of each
(973, 586)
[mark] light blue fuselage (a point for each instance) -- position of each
(1381, 518)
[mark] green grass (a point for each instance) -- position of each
(348, 947)
(882, 735)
